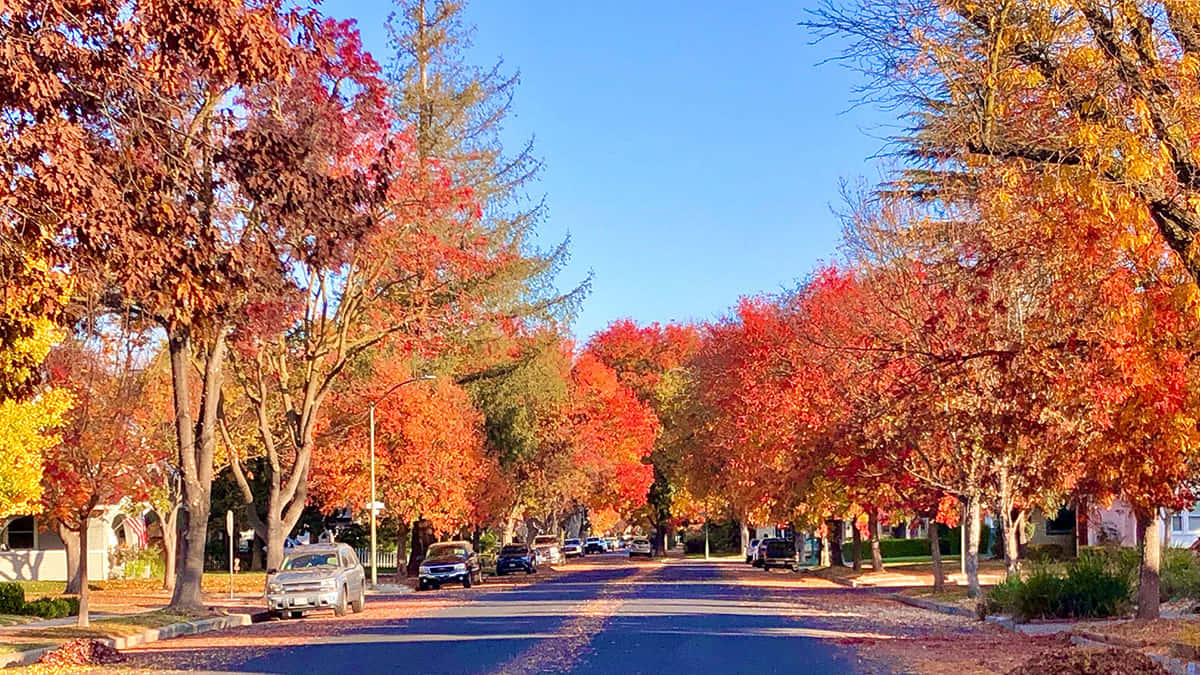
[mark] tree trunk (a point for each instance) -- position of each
(745, 537)
(70, 540)
(856, 546)
(422, 537)
(170, 546)
(935, 552)
(275, 539)
(190, 561)
(197, 443)
(835, 543)
(1008, 525)
(971, 554)
(401, 548)
(876, 548)
(802, 546)
(1149, 540)
(83, 619)
(256, 554)
(826, 556)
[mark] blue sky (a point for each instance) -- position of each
(692, 149)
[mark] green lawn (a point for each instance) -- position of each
(114, 626)
(12, 647)
(15, 619)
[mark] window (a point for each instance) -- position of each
(1063, 523)
(20, 533)
(1186, 521)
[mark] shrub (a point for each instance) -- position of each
(139, 563)
(12, 597)
(1180, 574)
(1087, 589)
(52, 608)
(1001, 598)
(1045, 553)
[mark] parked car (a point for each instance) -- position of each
(640, 546)
(776, 553)
(594, 545)
(515, 558)
(547, 550)
(447, 562)
(752, 553)
(317, 576)
(573, 547)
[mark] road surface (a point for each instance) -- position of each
(601, 615)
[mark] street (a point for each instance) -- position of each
(599, 615)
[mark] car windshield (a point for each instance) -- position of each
(512, 550)
(572, 542)
(592, 539)
(545, 539)
(446, 551)
(309, 560)
(641, 542)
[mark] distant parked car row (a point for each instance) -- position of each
(771, 552)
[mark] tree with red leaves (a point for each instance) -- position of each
(652, 361)
(105, 454)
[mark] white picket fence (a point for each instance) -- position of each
(382, 558)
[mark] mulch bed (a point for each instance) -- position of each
(1090, 662)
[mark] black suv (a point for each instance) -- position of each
(776, 553)
(515, 558)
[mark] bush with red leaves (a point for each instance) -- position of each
(1090, 662)
(82, 652)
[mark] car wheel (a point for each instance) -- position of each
(531, 570)
(765, 566)
(361, 602)
(339, 609)
(501, 573)
(297, 615)
(422, 586)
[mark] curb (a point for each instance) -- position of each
(930, 605)
(29, 657)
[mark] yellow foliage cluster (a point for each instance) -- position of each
(26, 431)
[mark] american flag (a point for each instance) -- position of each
(135, 530)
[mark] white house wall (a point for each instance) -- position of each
(42, 565)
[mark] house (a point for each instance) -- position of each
(1097, 525)
(31, 550)
(1116, 524)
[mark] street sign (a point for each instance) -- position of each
(376, 506)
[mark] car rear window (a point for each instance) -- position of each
(779, 548)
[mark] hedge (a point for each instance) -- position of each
(902, 548)
(12, 601)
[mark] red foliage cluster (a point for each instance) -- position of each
(81, 652)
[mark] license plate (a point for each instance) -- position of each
(300, 601)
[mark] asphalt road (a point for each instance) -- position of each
(603, 615)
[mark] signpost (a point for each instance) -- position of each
(229, 531)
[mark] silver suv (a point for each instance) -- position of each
(318, 576)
